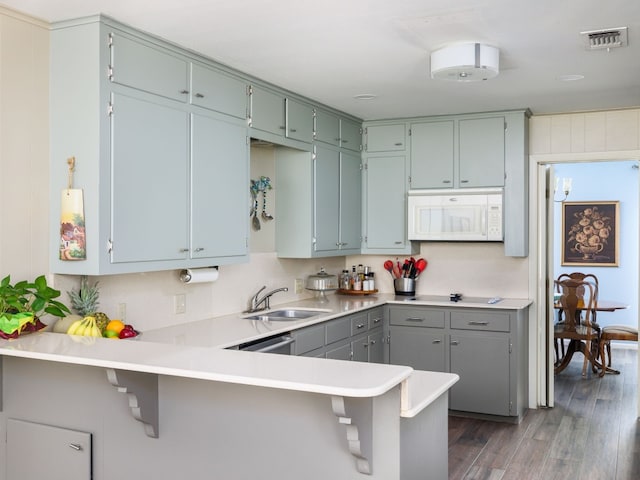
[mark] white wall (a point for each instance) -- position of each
(24, 147)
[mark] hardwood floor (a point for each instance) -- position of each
(592, 433)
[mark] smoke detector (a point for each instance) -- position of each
(607, 38)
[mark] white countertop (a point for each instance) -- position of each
(198, 350)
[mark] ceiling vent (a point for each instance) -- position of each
(608, 38)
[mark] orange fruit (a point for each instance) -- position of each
(115, 326)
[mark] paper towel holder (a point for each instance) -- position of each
(185, 274)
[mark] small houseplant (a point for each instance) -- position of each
(22, 305)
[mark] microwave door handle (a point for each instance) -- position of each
(484, 223)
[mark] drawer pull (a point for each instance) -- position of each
(437, 341)
(199, 95)
(183, 250)
(377, 320)
(360, 325)
(415, 319)
(455, 342)
(184, 92)
(484, 324)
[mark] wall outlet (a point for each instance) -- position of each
(299, 287)
(179, 303)
(122, 311)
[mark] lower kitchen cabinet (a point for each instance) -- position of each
(36, 451)
(487, 348)
(356, 337)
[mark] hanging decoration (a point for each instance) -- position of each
(259, 187)
(72, 230)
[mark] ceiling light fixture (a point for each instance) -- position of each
(467, 62)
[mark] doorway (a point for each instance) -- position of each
(595, 179)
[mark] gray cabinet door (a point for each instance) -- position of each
(37, 452)
(327, 128)
(327, 199)
(417, 347)
(219, 163)
(299, 121)
(385, 207)
(350, 202)
(482, 362)
(386, 138)
(218, 91)
(481, 146)
(376, 347)
(350, 135)
(148, 68)
(340, 351)
(149, 201)
(267, 111)
(432, 154)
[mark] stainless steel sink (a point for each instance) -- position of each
(284, 314)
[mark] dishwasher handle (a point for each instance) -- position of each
(275, 346)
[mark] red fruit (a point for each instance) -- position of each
(127, 332)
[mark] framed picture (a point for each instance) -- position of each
(590, 232)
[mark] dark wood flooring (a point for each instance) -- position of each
(592, 433)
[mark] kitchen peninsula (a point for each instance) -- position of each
(234, 414)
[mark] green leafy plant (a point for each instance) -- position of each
(32, 297)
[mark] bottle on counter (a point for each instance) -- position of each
(344, 279)
(357, 278)
(352, 278)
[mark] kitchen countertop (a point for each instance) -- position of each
(199, 350)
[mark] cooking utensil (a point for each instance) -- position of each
(388, 266)
(265, 215)
(397, 269)
(421, 264)
(255, 221)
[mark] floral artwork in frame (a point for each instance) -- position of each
(590, 233)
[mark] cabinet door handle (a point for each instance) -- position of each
(183, 250)
(199, 95)
(184, 92)
(372, 342)
(293, 130)
(484, 324)
(282, 127)
(415, 319)
(398, 144)
(336, 139)
(446, 181)
(76, 447)
(455, 342)
(345, 141)
(398, 243)
(464, 181)
(437, 341)
(377, 320)
(199, 249)
(360, 325)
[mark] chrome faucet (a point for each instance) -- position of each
(257, 300)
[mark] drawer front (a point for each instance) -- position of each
(489, 321)
(308, 339)
(375, 317)
(338, 329)
(417, 317)
(340, 352)
(359, 323)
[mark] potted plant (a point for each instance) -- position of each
(22, 305)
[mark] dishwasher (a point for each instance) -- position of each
(281, 344)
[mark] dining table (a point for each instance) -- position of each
(578, 345)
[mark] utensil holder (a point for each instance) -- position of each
(405, 286)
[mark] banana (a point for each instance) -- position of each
(73, 328)
(95, 331)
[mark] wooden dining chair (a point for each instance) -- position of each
(614, 332)
(578, 301)
(590, 277)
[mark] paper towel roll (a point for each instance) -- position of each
(199, 275)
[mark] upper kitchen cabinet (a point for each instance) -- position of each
(318, 203)
(218, 91)
(144, 66)
(386, 138)
(350, 135)
(267, 110)
(327, 128)
(458, 152)
(299, 120)
(163, 180)
(385, 185)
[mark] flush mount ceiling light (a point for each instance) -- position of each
(467, 62)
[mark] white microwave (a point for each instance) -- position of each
(470, 214)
